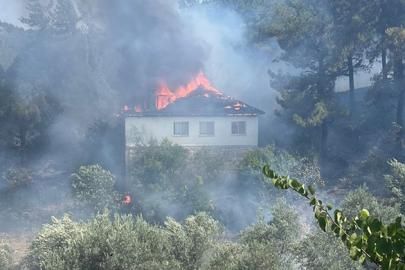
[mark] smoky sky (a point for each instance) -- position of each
(151, 41)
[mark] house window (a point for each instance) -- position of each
(238, 128)
(180, 129)
(206, 128)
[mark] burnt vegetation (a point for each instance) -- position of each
(72, 198)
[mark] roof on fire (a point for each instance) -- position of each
(201, 102)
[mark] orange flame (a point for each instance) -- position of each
(165, 96)
(126, 108)
(127, 199)
(138, 108)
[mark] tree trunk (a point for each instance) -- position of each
(320, 88)
(398, 78)
(351, 84)
(384, 65)
(324, 137)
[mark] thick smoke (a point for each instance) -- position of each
(152, 43)
(146, 41)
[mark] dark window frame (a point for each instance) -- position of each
(238, 128)
(183, 129)
(208, 129)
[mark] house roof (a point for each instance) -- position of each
(200, 102)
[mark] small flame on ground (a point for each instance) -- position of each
(127, 199)
(181, 91)
(126, 108)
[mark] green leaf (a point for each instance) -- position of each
(317, 214)
(398, 222)
(383, 246)
(323, 222)
(353, 252)
(295, 184)
(391, 230)
(311, 189)
(375, 225)
(399, 246)
(329, 206)
(268, 172)
(362, 259)
(312, 200)
(364, 213)
(338, 215)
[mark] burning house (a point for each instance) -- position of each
(192, 116)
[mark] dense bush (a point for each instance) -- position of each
(198, 243)
(396, 182)
(165, 180)
(93, 187)
(281, 234)
(281, 161)
(17, 178)
(208, 165)
(360, 198)
(6, 262)
(322, 250)
(156, 166)
(122, 244)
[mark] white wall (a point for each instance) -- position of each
(140, 129)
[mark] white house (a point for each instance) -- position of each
(202, 118)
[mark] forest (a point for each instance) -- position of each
(329, 75)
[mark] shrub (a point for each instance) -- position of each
(156, 167)
(280, 161)
(17, 178)
(281, 234)
(122, 244)
(322, 250)
(192, 243)
(396, 182)
(208, 165)
(6, 262)
(93, 187)
(360, 198)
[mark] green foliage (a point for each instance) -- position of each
(196, 197)
(156, 166)
(321, 250)
(6, 261)
(191, 243)
(100, 244)
(360, 198)
(281, 234)
(209, 165)
(396, 182)
(165, 177)
(282, 162)
(123, 244)
(93, 187)
(17, 178)
(366, 237)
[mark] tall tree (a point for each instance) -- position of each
(352, 22)
(39, 15)
(304, 31)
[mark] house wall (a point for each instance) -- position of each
(140, 129)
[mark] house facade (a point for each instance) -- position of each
(201, 119)
(193, 131)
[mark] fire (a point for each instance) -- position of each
(165, 96)
(126, 108)
(138, 108)
(127, 199)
